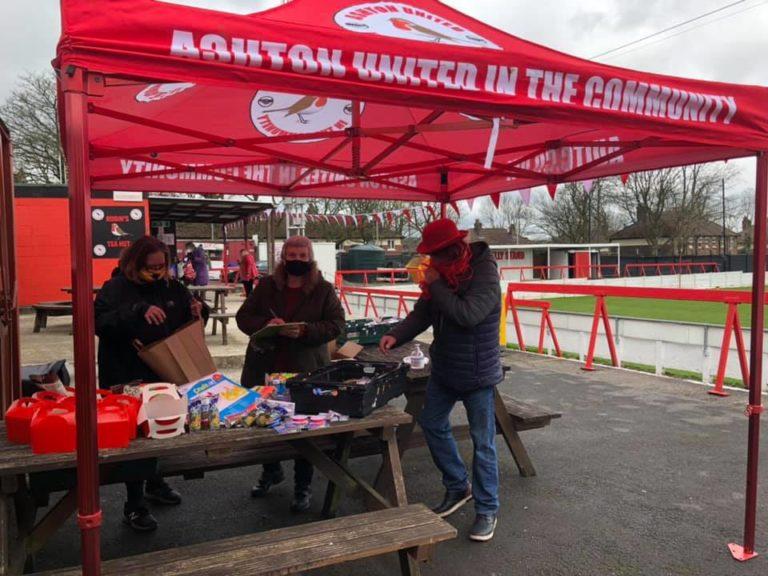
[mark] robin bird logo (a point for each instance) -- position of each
(407, 25)
(155, 92)
(404, 21)
(119, 232)
(304, 107)
(279, 114)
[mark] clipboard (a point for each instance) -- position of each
(273, 331)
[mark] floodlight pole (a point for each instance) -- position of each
(75, 82)
(755, 408)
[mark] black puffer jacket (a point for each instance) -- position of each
(465, 351)
(120, 307)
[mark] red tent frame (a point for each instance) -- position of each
(429, 135)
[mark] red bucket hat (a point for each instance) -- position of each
(438, 235)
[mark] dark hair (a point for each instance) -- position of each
(134, 258)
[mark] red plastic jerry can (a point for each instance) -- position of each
(18, 419)
(53, 429)
(131, 404)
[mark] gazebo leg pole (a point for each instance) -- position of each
(75, 88)
(747, 550)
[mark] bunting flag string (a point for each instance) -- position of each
(388, 217)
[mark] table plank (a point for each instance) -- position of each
(19, 459)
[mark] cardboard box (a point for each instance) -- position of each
(182, 357)
(163, 411)
(348, 351)
(233, 398)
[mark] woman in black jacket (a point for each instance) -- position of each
(141, 302)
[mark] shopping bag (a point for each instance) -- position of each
(181, 357)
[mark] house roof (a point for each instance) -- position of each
(705, 228)
(497, 236)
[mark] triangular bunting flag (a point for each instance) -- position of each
(377, 218)
(588, 185)
(432, 212)
(390, 218)
(624, 179)
(525, 195)
(407, 214)
(455, 206)
(496, 199)
(360, 219)
(470, 202)
(552, 189)
(350, 220)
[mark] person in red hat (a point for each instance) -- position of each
(461, 302)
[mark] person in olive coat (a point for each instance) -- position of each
(296, 292)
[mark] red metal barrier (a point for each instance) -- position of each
(544, 272)
(369, 293)
(730, 297)
(546, 322)
(673, 267)
(390, 273)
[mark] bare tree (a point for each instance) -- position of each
(671, 204)
(576, 215)
(512, 214)
(31, 115)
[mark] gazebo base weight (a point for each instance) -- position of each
(738, 553)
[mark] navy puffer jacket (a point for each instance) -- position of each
(465, 351)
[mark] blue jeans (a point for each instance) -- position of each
(435, 422)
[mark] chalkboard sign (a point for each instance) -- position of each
(114, 228)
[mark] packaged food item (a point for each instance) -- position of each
(233, 399)
(215, 413)
(317, 421)
(205, 413)
(195, 416)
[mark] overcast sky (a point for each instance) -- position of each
(730, 46)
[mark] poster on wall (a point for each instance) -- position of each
(114, 228)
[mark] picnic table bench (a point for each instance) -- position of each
(45, 309)
(222, 318)
(27, 480)
(512, 416)
(295, 549)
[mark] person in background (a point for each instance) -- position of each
(197, 257)
(296, 292)
(248, 272)
(461, 301)
(140, 302)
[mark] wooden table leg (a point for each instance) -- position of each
(414, 405)
(5, 534)
(408, 565)
(338, 473)
(53, 520)
(334, 492)
(512, 438)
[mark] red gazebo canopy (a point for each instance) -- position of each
(345, 98)
(340, 98)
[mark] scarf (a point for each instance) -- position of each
(453, 272)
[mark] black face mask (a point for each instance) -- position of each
(297, 267)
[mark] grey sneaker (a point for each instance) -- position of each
(452, 501)
(483, 528)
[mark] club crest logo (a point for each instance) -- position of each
(155, 92)
(279, 114)
(403, 21)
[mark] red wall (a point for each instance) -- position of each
(42, 249)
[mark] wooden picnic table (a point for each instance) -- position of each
(219, 314)
(512, 416)
(27, 479)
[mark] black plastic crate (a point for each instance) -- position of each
(366, 332)
(339, 387)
